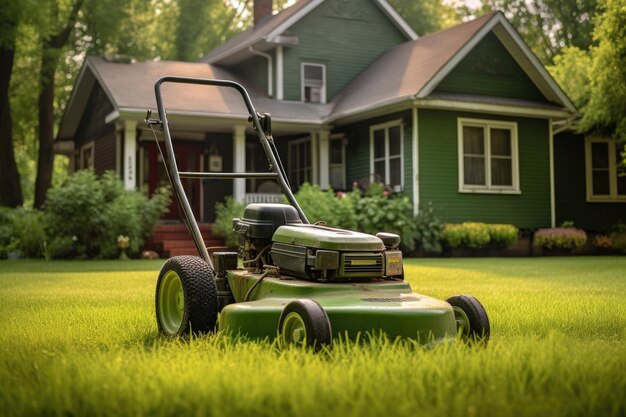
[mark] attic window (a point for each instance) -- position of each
(313, 83)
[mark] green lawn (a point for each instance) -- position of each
(80, 339)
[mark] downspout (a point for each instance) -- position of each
(270, 69)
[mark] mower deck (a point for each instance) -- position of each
(375, 306)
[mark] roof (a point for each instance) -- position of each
(271, 28)
(405, 75)
(413, 69)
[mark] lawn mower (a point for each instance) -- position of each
(305, 284)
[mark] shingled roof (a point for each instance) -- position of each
(408, 72)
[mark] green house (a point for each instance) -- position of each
(462, 119)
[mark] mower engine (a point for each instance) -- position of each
(273, 234)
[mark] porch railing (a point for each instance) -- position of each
(263, 198)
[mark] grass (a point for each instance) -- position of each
(79, 338)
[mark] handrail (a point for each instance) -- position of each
(175, 176)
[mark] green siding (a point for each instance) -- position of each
(255, 70)
(439, 183)
(358, 150)
(490, 70)
(571, 192)
(346, 45)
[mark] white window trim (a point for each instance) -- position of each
(386, 126)
(612, 197)
(323, 93)
(91, 148)
(488, 188)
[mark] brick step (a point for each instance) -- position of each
(160, 237)
(174, 239)
(204, 227)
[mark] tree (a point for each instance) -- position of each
(548, 26)
(10, 188)
(427, 16)
(52, 45)
(596, 79)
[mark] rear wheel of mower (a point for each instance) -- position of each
(471, 318)
(186, 297)
(304, 323)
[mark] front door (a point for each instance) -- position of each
(188, 158)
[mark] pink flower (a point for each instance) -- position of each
(386, 193)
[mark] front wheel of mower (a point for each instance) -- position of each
(471, 318)
(304, 323)
(186, 297)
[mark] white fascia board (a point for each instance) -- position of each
(501, 109)
(456, 59)
(551, 87)
(397, 19)
(293, 19)
(513, 43)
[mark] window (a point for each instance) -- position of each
(87, 156)
(386, 154)
(337, 159)
(314, 83)
(488, 156)
(299, 165)
(606, 180)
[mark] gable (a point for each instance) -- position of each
(92, 123)
(344, 35)
(490, 70)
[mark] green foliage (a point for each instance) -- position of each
(7, 234)
(22, 231)
(324, 206)
(560, 238)
(618, 237)
(478, 235)
(85, 215)
(225, 213)
(427, 16)
(376, 211)
(428, 230)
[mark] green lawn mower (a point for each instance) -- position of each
(306, 284)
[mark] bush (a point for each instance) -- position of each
(428, 230)
(560, 238)
(22, 230)
(86, 214)
(379, 211)
(478, 235)
(618, 237)
(223, 226)
(325, 206)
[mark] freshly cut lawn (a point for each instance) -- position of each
(80, 339)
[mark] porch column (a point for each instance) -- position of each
(130, 154)
(239, 162)
(315, 167)
(324, 159)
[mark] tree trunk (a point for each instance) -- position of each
(10, 186)
(45, 160)
(52, 48)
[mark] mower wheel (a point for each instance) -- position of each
(186, 297)
(471, 318)
(304, 323)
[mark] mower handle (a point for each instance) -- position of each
(172, 168)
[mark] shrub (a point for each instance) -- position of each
(478, 235)
(22, 230)
(7, 234)
(379, 211)
(324, 206)
(428, 230)
(560, 238)
(86, 214)
(223, 226)
(618, 237)
(502, 234)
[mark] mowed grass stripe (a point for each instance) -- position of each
(79, 338)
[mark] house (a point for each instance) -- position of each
(462, 118)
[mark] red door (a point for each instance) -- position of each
(188, 157)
